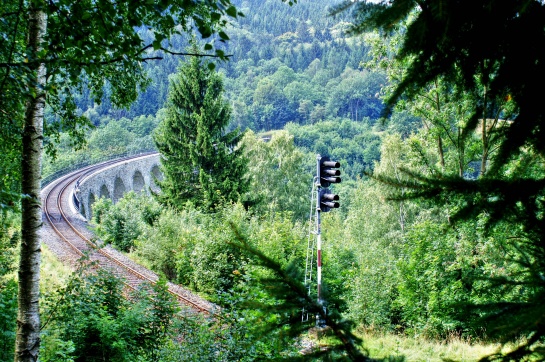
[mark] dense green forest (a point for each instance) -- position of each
(293, 65)
(440, 228)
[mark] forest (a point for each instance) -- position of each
(433, 115)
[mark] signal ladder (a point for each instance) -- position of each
(311, 243)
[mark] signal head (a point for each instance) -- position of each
(328, 172)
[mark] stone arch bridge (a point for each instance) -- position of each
(136, 174)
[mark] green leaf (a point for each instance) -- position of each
(220, 53)
(215, 16)
(211, 66)
(231, 11)
(208, 47)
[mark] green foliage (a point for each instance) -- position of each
(354, 144)
(445, 110)
(279, 294)
(356, 95)
(279, 174)
(446, 270)
(8, 317)
(121, 224)
(11, 105)
(201, 164)
(110, 138)
(374, 231)
(166, 245)
(215, 263)
(431, 284)
(364, 254)
(192, 247)
(449, 55)
(416, 271)
(82, 67)
(90, 320)
(197, 249)
(232, 335)
(441, 51)
(315, 94)
(9, 239)
(204, 340)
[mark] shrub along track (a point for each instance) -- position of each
(67, 237)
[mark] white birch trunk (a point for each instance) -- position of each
(27, 343)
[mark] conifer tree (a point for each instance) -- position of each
(200, 162)
(449, 41)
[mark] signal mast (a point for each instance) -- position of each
(322, 200)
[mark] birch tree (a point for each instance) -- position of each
(28, 318)
(65, 42)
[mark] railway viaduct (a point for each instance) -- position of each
(114, 181)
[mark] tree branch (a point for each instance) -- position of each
(13, 45)
(194, 54)
(109, 61)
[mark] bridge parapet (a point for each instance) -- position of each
(114, 181)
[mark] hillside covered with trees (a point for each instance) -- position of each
(436, 123)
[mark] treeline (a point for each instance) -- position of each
(355, 144)
(293, 64)
(110, 138)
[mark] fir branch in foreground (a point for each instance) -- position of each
(293, 297)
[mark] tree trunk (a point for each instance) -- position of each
(441, 153)
(484, 138)
(439, 139)
(460, 144)
(27, 344)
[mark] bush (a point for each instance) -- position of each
(121, 224)
(8, 317)
(9, 239)
(90, 319)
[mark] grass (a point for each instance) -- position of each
(396, 347)
(53, 273)
(384, 345)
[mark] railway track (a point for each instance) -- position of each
(59, 217)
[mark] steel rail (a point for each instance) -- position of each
(64, 183)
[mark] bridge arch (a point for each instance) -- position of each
(114, 180)
(119, 189)
(104, 192)
(138, 182)
(156, 174)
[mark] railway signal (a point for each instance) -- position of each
(328, 171)
(327, 200)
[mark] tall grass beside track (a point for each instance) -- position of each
(416, 349)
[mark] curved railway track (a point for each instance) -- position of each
(75, 239)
